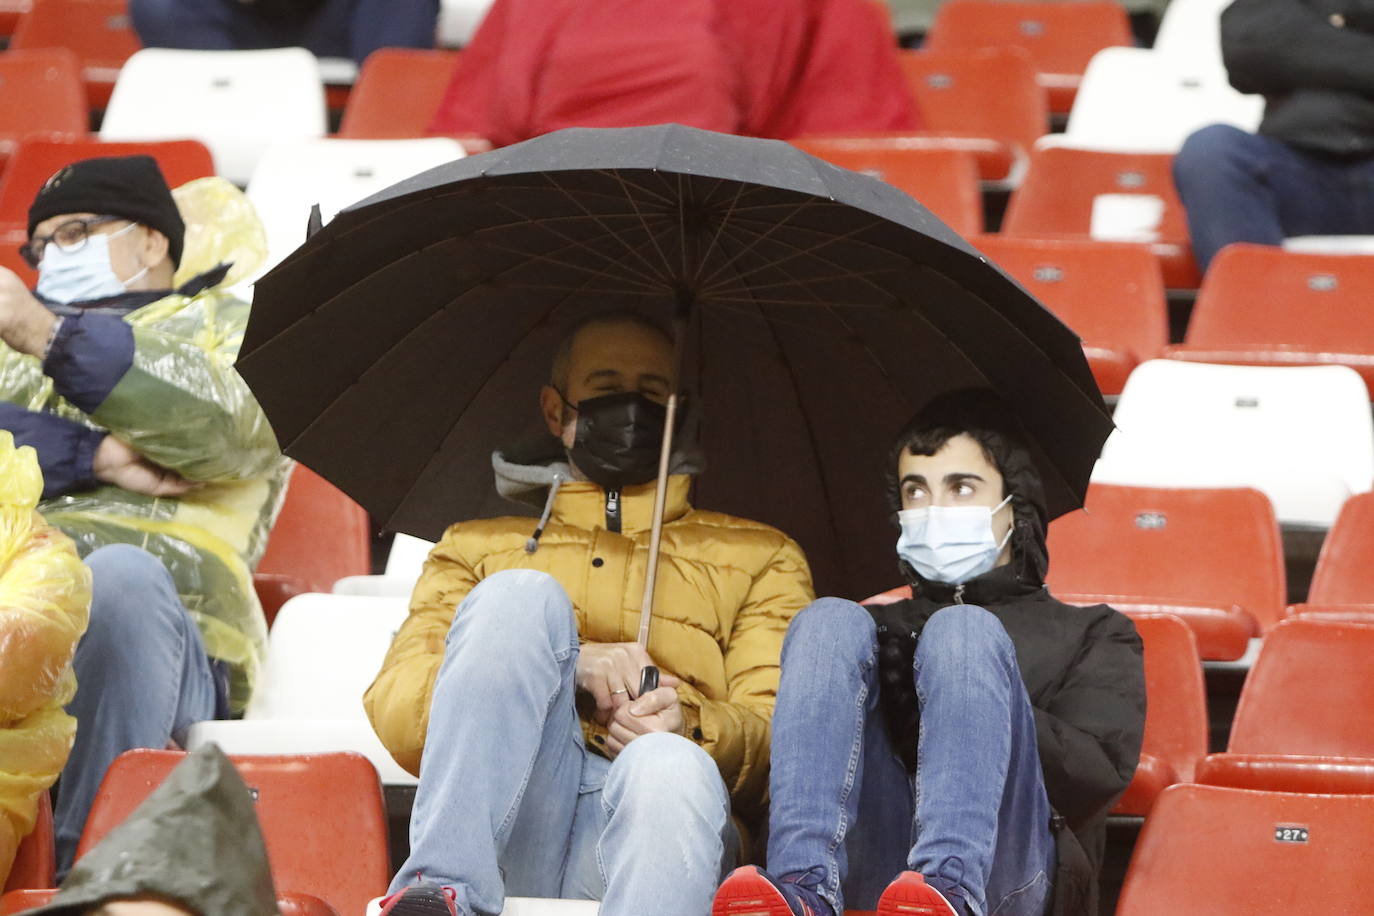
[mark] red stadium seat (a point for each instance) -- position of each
(986, 101)
(1062, 186)
(1060, 37)
(97, 30)
(1305, 722)
(36, 862)
(319, 537)
(11, 12)
(322, 818)
(289, 904)
(40, 95)
(1211, 556)
(1263, 306)
(396, 95)
(944, 180)
(1208, 850)
(1175, 712)
(35, 161)
(1111, 294)
(1343, 582)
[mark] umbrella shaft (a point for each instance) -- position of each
(646, 612)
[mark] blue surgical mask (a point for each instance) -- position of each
(950, 544)
(65, 277)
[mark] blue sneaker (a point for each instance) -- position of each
(751, 891)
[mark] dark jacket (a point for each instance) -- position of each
(1313, 60)
(1083, 671)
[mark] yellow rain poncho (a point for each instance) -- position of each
(182, 405)
(45, 596)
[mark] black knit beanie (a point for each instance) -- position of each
(130, 187)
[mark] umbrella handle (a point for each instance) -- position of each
(648, 680)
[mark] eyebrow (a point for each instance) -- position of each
(956, 477)
(612, 374)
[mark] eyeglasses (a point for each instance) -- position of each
(69, 236)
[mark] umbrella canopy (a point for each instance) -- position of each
(410, 336)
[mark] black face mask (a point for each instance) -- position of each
(618, 439)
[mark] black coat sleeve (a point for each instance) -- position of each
(1090, 730)
(1272, 47)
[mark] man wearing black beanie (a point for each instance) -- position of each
(156, 458)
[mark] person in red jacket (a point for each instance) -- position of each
(764, 68)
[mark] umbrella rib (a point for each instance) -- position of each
(797, 251)
(647, 279)
(720, 230)
(759, 238)
(634, 204)
(648, 265)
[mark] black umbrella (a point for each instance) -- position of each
(820, 308)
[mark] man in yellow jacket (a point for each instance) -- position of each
(511, 689)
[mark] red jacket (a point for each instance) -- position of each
(767, 68)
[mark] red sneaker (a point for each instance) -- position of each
(909, 895)
(751, 891)
(422, 900)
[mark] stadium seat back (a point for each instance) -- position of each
(1108, 196)
(1308, 692)
(990, 93)
(1134, 99)
(1301, 435)
(1175, 713)
(319, 537)
(397, 94)
(1060, 38)
(323, 653)
(1206, 850)
(40, 94)
(236, 102)
(1345, 573)
(293, 176)
(1190, 36)
(945, 181)
(1112, 295)
(1263, 305)
(98, 31)
(1212, 556)
(322, 818)
(35, 863)
(35, 161)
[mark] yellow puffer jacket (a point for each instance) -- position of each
(727, 590)
(45, 597)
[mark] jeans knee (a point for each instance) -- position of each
(1209, 151)
(518, 600)
(844, 628)
(131, 591)
(666, 773)
(962, 631)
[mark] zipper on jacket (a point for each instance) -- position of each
(613, 511)
(959, 594)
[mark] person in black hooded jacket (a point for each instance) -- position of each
(1310, 168)
(969, 740)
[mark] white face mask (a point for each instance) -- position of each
(65, 277)
(950, 544)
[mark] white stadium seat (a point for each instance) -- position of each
(294, 175)
(459, 19)
(403, 567)
(1190, 35)
(236, 102)
(1302, 435)
(1132, 99)
(322, 654)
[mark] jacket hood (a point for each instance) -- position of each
(525, 472)
(194, 841)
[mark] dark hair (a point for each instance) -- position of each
(558, 369)
(985, 417)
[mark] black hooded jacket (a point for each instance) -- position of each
(1084, 675)
(1313, 60)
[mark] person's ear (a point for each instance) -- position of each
(155, 248)
(551, 405)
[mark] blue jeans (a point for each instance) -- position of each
(142, 679)
(975, 819)
(510, 799)
(341, 28)
(1243, 187)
